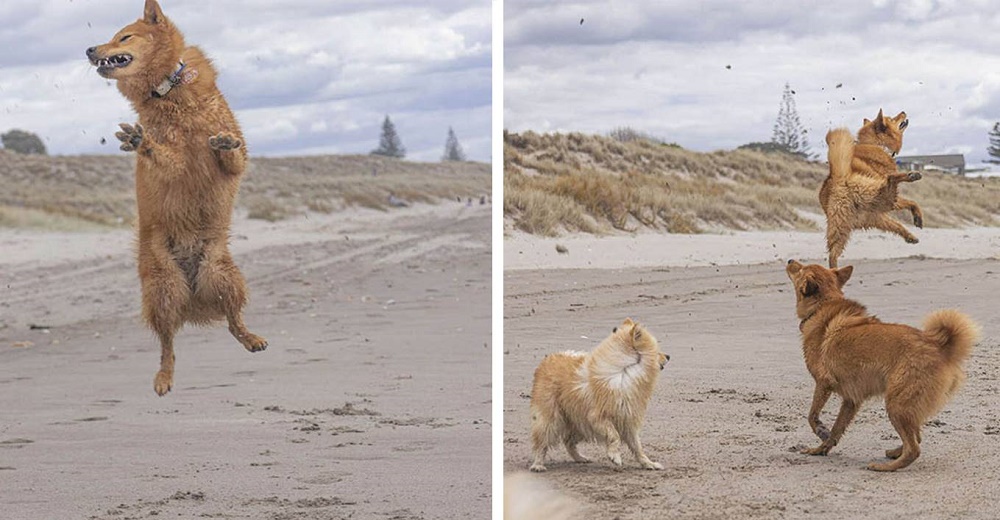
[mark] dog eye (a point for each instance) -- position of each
(127, 36)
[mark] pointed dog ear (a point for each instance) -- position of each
(636, 333)
(810, 288)
(880, 121)
(844, 274)
(152, 13)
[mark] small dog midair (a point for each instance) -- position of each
(190, 157)
(856, 356)
(596, 396)
(863, 184)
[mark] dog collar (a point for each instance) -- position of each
(804, 320)
(170, 82)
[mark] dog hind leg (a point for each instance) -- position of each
(908, 429)
(570, 441)
(220, 281)
(165, 294)
(887, 223)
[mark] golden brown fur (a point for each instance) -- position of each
(857, 357)
(189, 160)
(863, 184)
(597, 396)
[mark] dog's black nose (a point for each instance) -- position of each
(91, 51)
(668, 357)
(790, 260)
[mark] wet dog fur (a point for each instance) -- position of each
(190, 156)
(863, 185)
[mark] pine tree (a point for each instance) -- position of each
(788, 129)
(452, 150)
(994, 149)
(389, 144)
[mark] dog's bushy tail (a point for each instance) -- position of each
(953, 332)
(841, 150)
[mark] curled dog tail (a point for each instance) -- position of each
(953, 332)
(841, 150)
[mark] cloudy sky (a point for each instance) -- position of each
(304, 77)
(662, 67)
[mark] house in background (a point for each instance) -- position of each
(954, 163)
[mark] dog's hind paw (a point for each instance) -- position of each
(131, 138)
(224, 141)
(918, 221)
(254, 343)
(875, 466)
(652, 465)
(538, 468)
(894, 453)
(912, 240)
(163, 383)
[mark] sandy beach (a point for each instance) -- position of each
(372, 400)
(729, 412)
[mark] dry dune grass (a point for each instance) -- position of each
(70, 192)
(575, 182)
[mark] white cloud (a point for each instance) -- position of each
(303, 76)
(662, 67)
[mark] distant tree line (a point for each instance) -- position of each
(390, 145)
(21, 141)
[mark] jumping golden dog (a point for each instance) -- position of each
(863, 184)
(189, 159)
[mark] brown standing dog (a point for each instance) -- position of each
(857, 357)
(863, 185)
(189, 160)
(600, 395)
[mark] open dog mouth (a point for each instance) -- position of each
(105, 65)
(904, 124)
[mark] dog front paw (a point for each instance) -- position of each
(652, 465)
(224, 141)
(822, 450)
(131, 138)
(914, 176)
(918, 221)
(912, 240)
(538, 468)
(616, 458)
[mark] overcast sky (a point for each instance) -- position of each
(304, 77)
(662, 67)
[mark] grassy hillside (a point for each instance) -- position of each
(70, 192)
(573, 182)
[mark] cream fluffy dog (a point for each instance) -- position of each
(597, 396)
